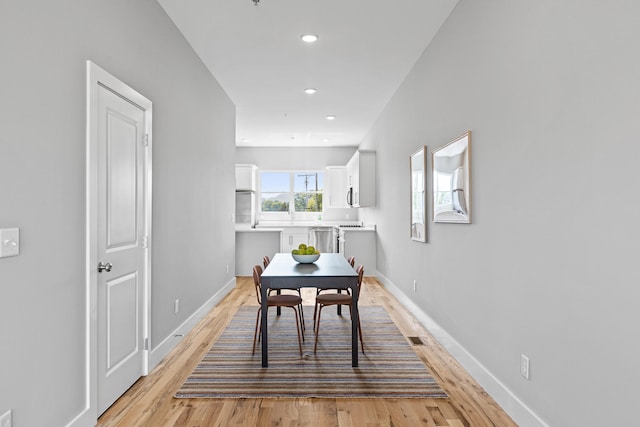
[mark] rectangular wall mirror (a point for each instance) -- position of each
(451, 181)
(418, 168)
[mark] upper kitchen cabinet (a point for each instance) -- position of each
(361, 179)
(246, 177)
(336, 185)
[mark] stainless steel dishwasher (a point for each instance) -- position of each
(322, 238)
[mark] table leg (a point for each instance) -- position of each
(278, 308)
(354, 326)
(339, 309)
(263, 324)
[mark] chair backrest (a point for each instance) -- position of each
(257, 272)
(360, 271)
(352, 261)
(265, 261)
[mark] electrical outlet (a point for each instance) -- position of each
(5, 419)
(176, 307)
(9, 242)
(227, 268)
(524, 366)
(415, 286)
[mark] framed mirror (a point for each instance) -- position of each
(451, 181)
(418, 169)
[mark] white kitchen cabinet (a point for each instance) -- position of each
(360, 244)
(253, 244)
(361, 179)
(292, 237)
(336, 184)
(246, 177)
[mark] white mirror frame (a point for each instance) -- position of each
(418, 176)
(451, 166)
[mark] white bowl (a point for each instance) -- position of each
(306, 259)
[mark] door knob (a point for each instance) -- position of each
(104, 267)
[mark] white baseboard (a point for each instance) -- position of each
(88, 417)
(160, 351)
(508, 401)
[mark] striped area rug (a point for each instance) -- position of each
(389, 368)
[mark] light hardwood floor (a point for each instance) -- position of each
(150, 401)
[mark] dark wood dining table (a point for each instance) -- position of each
(330, 271)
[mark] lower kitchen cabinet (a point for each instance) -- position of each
(360, 244)
(252, 245)
(292, 237)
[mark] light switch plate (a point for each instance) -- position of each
(9, 242)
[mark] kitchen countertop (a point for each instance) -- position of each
(269, 224)
(246, 229)
(363, 228)
(282, 226)
(288, 224)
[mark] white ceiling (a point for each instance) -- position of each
(365, 50)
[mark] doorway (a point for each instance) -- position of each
(118, 236)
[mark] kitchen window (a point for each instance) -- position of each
(286, 193)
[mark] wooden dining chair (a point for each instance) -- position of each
(352, 261)
(324, 300)
(266, 261)
(291, 301)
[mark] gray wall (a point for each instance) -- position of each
(551, 92)
(44, 46)
(294, 158)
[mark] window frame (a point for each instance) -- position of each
(291, 214)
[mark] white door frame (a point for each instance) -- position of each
(96, 77)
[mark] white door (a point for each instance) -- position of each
(120, 244)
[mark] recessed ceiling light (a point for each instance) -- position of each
(310, 91)
(309, 38)
(325, 140)
(244, 140)
(330, 117)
